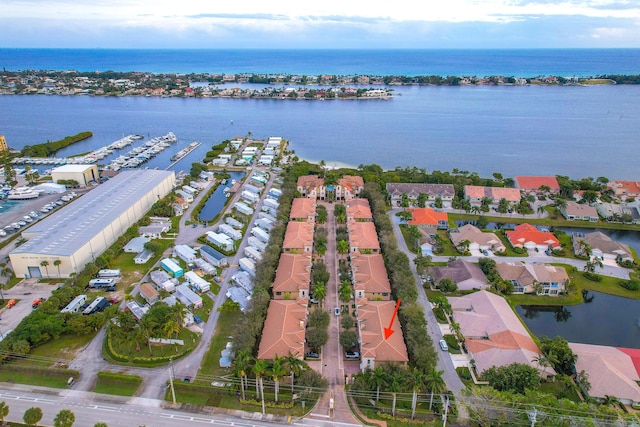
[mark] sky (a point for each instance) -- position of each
(320, 24)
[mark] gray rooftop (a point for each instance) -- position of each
(66, 231)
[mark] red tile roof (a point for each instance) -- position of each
(284, 329)
(302, 208)
(359, 209)
(293, 274)
(298, 235)
(494, 193)
(370, 274)
(426, 216)
(362, 235)
(525, 233)
(373, 317)
(535, 182)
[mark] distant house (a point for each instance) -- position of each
(136, 245)
(363, 237)
(284, 329)
(529, 237)
(466, 275)
(601, 246)
(444, 192)
(359, 210)
(303, 209)
(612, 371)
(212, 256)
(143, 257)
(428, 219)
(525, 277)
(575, 211)
(149, 293)
(312, 186)
(373, 317)
(349, 187)
(370, 278)
(155, 229)
(475, 194)
(494, 336)
(533, 184)
(220, 240)
(187, 296)
(478, 240)
(293, 277)
(298, 238)
(185, 253)
(625, 189)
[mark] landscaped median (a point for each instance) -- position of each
(115, 383)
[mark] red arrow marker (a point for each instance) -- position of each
(388, 331)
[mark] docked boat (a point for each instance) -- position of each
(22, 223)
(186, 150)
(23, 193)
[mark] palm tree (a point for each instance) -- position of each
(394, 382)
(320, 292)
(241, 365)
(435, 383)
(377, 378)
(343, 247)
(4, 411)
(416, 235)
(277, 371)
(541, 210)
(345, 291)
(171, 327)
(259, 369)
(463, 246)
(416, 380)
(57, 263)
(45, 264)
(295, 365)
(542, 360)
(560, 205)
(475, 209)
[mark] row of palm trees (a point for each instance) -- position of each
(45, 264)
(394, 380)
(276, 369)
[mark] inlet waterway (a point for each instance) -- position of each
(216, 201)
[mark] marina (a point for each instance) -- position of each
(138, 155)
(182, 153)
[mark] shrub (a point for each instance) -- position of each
(632, 285)
(592, 276)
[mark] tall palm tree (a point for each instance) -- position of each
(416, 380)
(57, 263)
(540, 210)
(171, 327)
(435, 383)
(320, 292)
(259, 369)
(295, 365)
(342, 247)
(241, 365)
(394, 382)
(277, 372)
(45, 264)
(377, 378)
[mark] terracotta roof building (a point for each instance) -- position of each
(494, 334)
(465, 274)
(524, 277)
(612, 371)
(348, 187)
(303, 209)
(299, 237)
(625, 189)
(370, 278)
(445, 192)
(359, 210)
(373, 317)
(149, 293)
(363, 237)
(311, 186)
(478, 240)
(292, 277)
(284, 329)
(532, 184)
(475, 194)
(428, 219)
(529, 237)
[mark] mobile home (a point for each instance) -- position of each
(171, 267)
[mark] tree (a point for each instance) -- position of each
(515, 378)
(4, 411)
(57, 263)
(295, 366)
(241, 366)
(376, 378)
(416, 236)
(348, 339)
(541, 210)
(32, 416)
(320, 292)
(321, 216)
(64, 418)
(259, 369)
(343, 247)
(277, 372)
(345, 291)
(100, 425)
(447, 285)
(435, 383)
(318, 319)
(422, 200)
(45, 264)
(394, 383)
(416, 380)
(559, 354)
(317, 337)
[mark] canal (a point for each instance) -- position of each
(216, 201)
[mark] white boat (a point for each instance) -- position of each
(27, 218)
(22, 223)
(2, 233)
(23, 193)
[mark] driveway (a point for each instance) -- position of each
(24, 293)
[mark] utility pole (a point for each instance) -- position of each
(173, 392)
(446, 412)
(532, 416)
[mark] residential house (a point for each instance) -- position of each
(293, 277)
(428, 219)
(359, 210)
(494, 336)
(149, 293)
(529, 237)
(312, 186)
(143, 257)
(220, 240)
(284, 329)
(373, 317)
(303, 209)
(349, 187)
(465, 274)
(533, 184)
(525, 277)
(609, 211)
(601, 246)
(363, 237)
(478, 240)
(155, 229)
(187, 296)
(185, 253)
(576, 211)
(444, 192)
(212, 256)
(298, 237)
(370, 278)
(613, 371)
(625, 189)
(136, 245)
(475, 194)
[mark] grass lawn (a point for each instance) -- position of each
(33, 378)
(406, 235)
(560, 389)
(452, 343)
(124, 386)
(132, 272)
(205, 310)
(127, 350)
(225, 328)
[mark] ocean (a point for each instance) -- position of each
(570, 130)
(408, 62)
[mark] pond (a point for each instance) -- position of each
(602, 319)
(216, 201)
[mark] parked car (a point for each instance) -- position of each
(336, 311)
(197, 318)
(443, 345)
(11, 303)
(312, 355)
(352, 355)
(187, 379)
(485, 253)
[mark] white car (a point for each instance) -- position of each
(443, 345)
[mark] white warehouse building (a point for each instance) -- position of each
(81, 231)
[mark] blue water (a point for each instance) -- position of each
(574, 131)
(216, 202)
(409, 62)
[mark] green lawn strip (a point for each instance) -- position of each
(123, 352)
(452, 343)
(56, 378)
(560, 390)
(131, 272)
(204, 311)
(227, 322)
(406, 235)
(403, 414)
(118, 384)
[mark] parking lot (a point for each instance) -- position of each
(24, 293)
